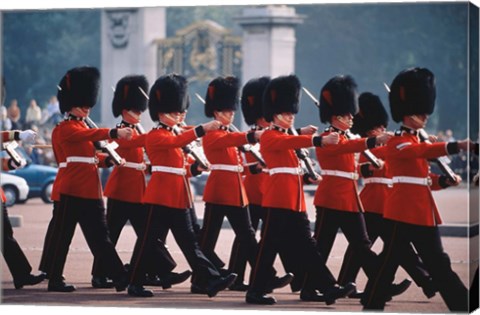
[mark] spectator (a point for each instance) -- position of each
(34, 114)
(14, 114)
(52, 111)
(5, 122)
(449, 135)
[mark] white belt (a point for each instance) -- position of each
(424, 181)
(82, 159)
(136, 166)
(168, 169)
(227, 167)
(286, 170)
(349, 175)
(378, 180)
(62, 165)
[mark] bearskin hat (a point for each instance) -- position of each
(168, 95)
(282, 95)
(222, 94)
(338, 97)
(412, 93)
(252, 99)
(78, 88)
(371, 114)
(128, 95)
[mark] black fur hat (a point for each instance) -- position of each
(282, 95)
(412, 93)
(371, 114)
(222, 94)
(128, 95)
(78, 88)
(168, 94)
(338, 97)
(252, 99)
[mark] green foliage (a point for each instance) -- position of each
(39, 47)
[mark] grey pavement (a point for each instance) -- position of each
(35, 215)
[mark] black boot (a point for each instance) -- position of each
(60, 286)
(219, 284)
(429, 289)
(280, 282)
(311, 296)
(139, 291)
(336, 292)
(174, 278)
(28, 280)
(239, 286)
(397, 289)
(102, 283)
(259, 298)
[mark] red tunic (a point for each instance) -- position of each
(60, 157)
(76, 140)
(254, 182)
(224, 187)
(411, 203)
(164, 148)
(126, 183)
(373, 195)
(283, 190)
(335, 192)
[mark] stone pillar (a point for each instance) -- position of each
(268, 40)
(128, 48)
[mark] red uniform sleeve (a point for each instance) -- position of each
(233, 139)
(410, 150)
(350, 146)
(287, 142)
(174, 142)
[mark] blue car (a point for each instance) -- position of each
(39, 178)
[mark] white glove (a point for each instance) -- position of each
(27, 135)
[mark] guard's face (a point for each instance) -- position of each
(225, 116)
(417, 121)
(376, 131)
(343, 122)
(81, 112)
(284, 120)
(170, 119)
(131, 116)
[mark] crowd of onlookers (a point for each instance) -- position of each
(40, 120)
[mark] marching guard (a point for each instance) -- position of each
(410, 210)
(286, 224)
(15, 258)
(370, 121)
(81, 191)
(126, 186)
(167, 195)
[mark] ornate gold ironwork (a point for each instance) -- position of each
(200, 51)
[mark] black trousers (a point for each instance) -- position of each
(159, 221)
(16, 260)
(238, 258)
(90, 214)
(428, 243)
(239, 219)
(289, 231)
(51, 237)
(118, 213)
(376, 228)
(353, 227)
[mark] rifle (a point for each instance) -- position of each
(9, 147)
(367, 153)
(105, 146)
(244, 147)
(192, 150)
(303, 155)
(441, 161)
